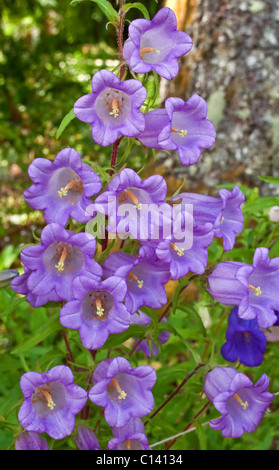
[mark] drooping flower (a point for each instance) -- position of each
(156, 45)
(253, 288)
(62, 188)
(51, 401)
(186, 248)
(130, 203)
(129, 437)
(113, 107)
(140, 318)
(30, 441)
(245, 341)
(86, 439)
(51, 266)
(181, 126)
(224, 213)
(124, 392)
(97, 310)
(241, 404)
(145, 276)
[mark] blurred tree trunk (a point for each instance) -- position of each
(233, 65)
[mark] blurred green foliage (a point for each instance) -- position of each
(50, 51)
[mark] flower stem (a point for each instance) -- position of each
(70, 354)
(176, 391)
(189, 425)
(120, 36)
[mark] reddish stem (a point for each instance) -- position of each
(190, 424)
(120, 37)
(175, 392)
(70, 354)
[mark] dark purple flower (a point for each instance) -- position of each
(63, 187)
(241, 404)
(51, 266)
(124, 392)
(181, 126)
(253, 288)
(223, 213)
(145, 275)
(51, 401)
(129, 437)
(156, 45)
(97, 310)
(140, 318)
(86, 439)
(113, 107)
(130, 201)
(30, 441)
(245, 341)
(186, 248)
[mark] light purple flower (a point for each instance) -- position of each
(253, 288)
(140, 318)
(62, 188)
(51, 266)
(129, 437)
(156, 45)
(20, 286)
(145, 275)
(113, 107)
(86, 439)
(186, 248)
(30, 441)
(51, 401)
(241, 404)
(181, 126)
(124, 392)
(223, 213)
(272, 333)
(97, 310)
(127, 192)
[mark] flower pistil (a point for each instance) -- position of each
(135, 278)
(100, 310)
(128, 194)
(240, 401)
(179, 251)
(115, 108)
(122, 394)
(181, 132)
(42, 393)
(75, 185)
(146, 50)
(257, 290)
(61, 262)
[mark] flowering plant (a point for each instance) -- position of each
(118, 333)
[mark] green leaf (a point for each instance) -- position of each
(192, 313)
(134, 331)
(105, 6)
(50, 326)
(169, 327)
(137, 5)
(261, 204)
(269, 179)
(182, 282)
(65, 122)
(102, 257)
